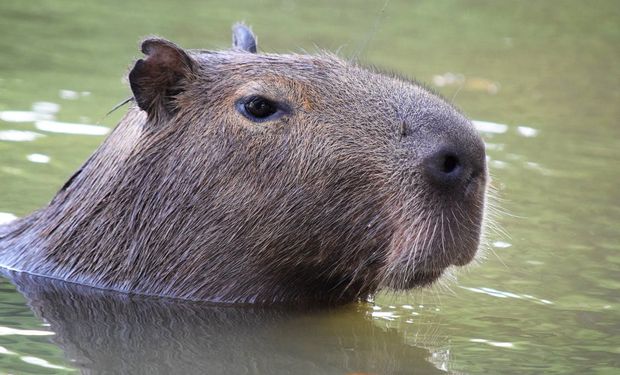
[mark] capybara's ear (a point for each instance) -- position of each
(243, 38)
(157, 79)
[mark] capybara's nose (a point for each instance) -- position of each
(454, 166)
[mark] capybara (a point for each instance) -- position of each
(244, 177)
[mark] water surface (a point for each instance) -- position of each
(541, 79)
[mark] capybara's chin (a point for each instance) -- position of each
(243, 177)
(415, 279)
(444, 236)
(440, 227)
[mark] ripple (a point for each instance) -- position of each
(42, 363)
(536, 167)
(45, 107)
(501, 244)
(34, 360)
(8, 331)
(19, 135)
(38, 158)
(498, 164)
(498, 344)
(502, 294)
(4, 350)
(447, 79)
(387, 315)
(526, 131)
(490, 127)
(70, 128)
(24, 116)
(6, 217)
(495, 146)
(69, 94)
(469, 83)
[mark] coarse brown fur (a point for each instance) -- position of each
(188, 198)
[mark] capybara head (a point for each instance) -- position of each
(245, 177)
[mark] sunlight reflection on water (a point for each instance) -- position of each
(43, 117)
(6, 217)
(70, 128)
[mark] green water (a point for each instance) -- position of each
(545, 298)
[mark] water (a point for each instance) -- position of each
(542, 80)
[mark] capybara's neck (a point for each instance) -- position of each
(64, 237)
(122, 222)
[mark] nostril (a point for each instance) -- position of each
(450, 164)
(446, 167)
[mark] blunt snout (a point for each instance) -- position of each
(455, 161)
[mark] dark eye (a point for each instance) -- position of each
(259, 109)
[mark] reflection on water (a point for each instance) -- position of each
(467, 83)
(23, 116)
(543, 79)
(494, 343)
(107, 333)
(72, 95)
(19, 135)
(490, 127)
(6, 217)
(500, 294)
(43, 117)
(23, 332)
(69, 128)
(43, 120)
(38, 158)
(526, 131)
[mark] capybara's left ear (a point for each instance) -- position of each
(157, 79)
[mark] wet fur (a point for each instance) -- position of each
(189, 199)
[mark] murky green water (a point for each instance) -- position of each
(545, 78)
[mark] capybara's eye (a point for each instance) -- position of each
(259, 109)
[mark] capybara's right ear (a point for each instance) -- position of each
(243, 38)
(160, 77)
